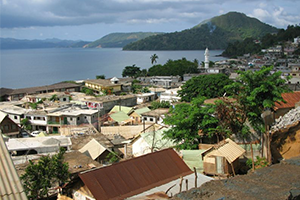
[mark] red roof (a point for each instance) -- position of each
(134, 176)
(290, 98)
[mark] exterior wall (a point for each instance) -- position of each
(145, 98)
(140, 147)
(281, 112)
(108, 105)
(136, 118)
(15, 118)
(8, 126)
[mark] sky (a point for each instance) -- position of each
(90, 20)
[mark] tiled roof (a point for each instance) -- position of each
(290, 98)
(10, 184)
(134, 176)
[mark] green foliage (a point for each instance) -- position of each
(25, 123)
(53, 98)
(131, 71)
(259, 163)
(153, 58)
(112, 157)
(119, 39)
(173, 68)
(157, 104)
(239, 48)
(87, 91)
(100, 76)
(187, 119)
(41, 176)
(215, 33)
(257, 91)
(210, 86)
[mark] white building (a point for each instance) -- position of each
(170, 95)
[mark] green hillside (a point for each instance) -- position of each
(214, 33)
(119, 39)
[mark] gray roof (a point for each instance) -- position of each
(10, 184)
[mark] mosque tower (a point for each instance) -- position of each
(206, 62)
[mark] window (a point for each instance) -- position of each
(78, 118)
(145, 118)
(6, 127)
(13, 127)
(64, 99)
(71, 118)
(151, 119)
(15, 117)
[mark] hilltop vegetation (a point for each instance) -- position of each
(215, 33)
(119, 39)
(249, 45)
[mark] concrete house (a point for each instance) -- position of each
(145, 97)
(155, 116)
(136, 115)
(291, 99)
(104, 85)
(38, 119)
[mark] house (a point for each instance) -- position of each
(145, 97)
(58, 96)
(161, 81)
(138, 177)
(4, 93)
(38, 119)
(95, 150)
(11, 186)
(157, 91)
(155, 116)
(8, 127)
(281, 108)
(119, 118)
(118, 108)
(72, 116)
(136, 115)
(14, 112)
(18, 94)
(170, 95)
(151, 140)
(104, 85)
(38, 145)
(187, 77)
(222, 159)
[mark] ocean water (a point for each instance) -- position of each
(37, 67)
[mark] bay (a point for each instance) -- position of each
(37, 67)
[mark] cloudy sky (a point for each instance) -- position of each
(92, 19)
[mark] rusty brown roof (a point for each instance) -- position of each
(134, 176)
(290, 98)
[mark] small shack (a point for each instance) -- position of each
(222, 159)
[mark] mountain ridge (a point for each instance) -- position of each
(214, 33)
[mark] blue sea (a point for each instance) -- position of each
(36, 67)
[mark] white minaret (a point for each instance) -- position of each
(206, 62)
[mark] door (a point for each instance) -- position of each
(220, 165)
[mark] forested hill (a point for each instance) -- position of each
(214, 33)
(119, 39)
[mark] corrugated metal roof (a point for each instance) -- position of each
(120, 117)
(290, 98)
(10, 184)
(93, 149)
(228, 149)
(136, 175)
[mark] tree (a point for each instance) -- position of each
(187, 119)
(88, 91)
(154, 58)
(131, 71)
(256, 92)
(157, 104)
(41, 176)
(210, 86)
(25, 124)
(100, 76)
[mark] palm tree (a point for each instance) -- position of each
(154, 58)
